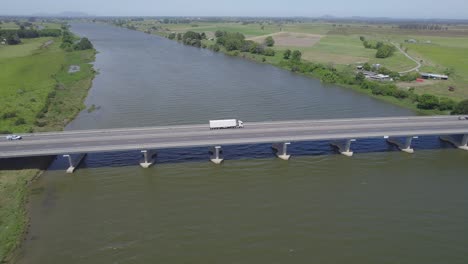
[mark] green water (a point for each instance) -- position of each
(373, 208)
(379, 206)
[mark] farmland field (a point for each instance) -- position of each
(36, 94)
(340, 45)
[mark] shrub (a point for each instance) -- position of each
(20, 121)
(269, 52)
(385, 51)
(296, 55)
(83, 44)
(428, 102)
(461, 108)
(8, 115)
(269, 41)
(446, 104)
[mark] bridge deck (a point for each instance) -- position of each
(87, 141)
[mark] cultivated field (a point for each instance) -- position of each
(290, 39)
(340, 45)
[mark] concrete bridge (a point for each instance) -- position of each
(74, 145)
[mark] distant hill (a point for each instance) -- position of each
(62, 14)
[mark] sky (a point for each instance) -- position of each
(454, 9)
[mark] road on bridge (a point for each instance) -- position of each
(105, 140)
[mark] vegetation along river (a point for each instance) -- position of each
(380, 206)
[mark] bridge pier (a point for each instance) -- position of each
(405, 147)
(462, 144)
(344, 147)
(147, 160)
(74, 163)
(282, 150)
(216, 155)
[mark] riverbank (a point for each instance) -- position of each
(342, 76)
(339, 48)
(38, 94)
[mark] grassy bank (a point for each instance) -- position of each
(37, 93)
(339, 46)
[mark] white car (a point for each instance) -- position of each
(14, 137)
(463, 118)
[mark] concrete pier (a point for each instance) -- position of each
(403, 146)
(282, 150)
(216, 155)
(148, 159)
(74, 162)
(461, 144)
(344, 147)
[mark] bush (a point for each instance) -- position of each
(461, 108)
(269, 52)
(83, 44)
(409, 77)
(219, 33)
(367, 66)
(269, 41)
(360, 77)
(40, 123)
(446, 104)
(296, 55)
(13, 39)
(385, 51)
(428, 102)
(215, 48)
(20, 121)
(287, 54)
(8, 115)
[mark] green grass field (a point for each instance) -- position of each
(13, 196)
(340, 46)
(30, 73)
(36, 94)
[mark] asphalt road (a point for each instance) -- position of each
(87, 141)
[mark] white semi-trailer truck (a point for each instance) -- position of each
(226, 123)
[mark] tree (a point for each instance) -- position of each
(461, 108)
(446, 104)
(219, 33)
(287, 54)
(296, 56)
(269, 41)
(428, 102)
(172, 36)
(384, 51)
(13, 39)
(232, 44)
(84, 44)
(367, 66)
(191, 35)
(269, 52)
(360, 77)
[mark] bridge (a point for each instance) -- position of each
(74, 145)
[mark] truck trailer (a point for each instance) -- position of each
(226, 123)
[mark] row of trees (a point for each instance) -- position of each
(383, 50)
(237, 42)
(69, 42)
(14, 36)
(329, 74)
(422, 27)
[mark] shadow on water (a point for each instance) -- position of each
(234, 152)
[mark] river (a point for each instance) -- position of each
(380, 206)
